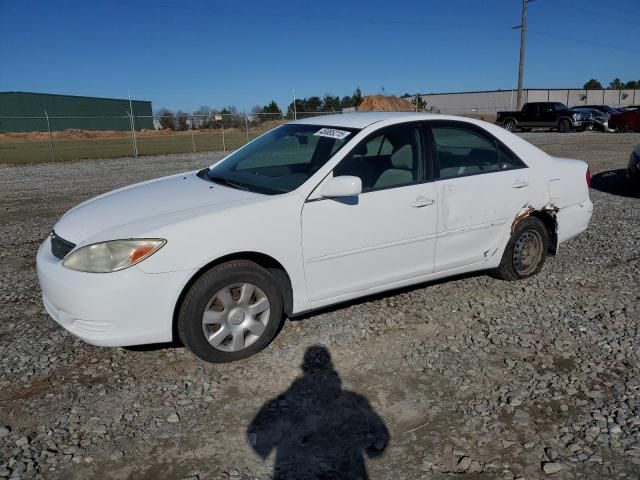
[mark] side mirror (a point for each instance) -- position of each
(342, 186)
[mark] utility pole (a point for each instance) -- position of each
(523, 41)
(295, 115)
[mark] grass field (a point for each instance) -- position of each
(35, 147)
(26, 151)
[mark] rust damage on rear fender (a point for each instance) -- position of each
(526, 211)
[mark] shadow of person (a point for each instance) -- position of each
(319, 430)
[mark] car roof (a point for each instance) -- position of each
(364, 119)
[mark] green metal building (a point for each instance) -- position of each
(27, 112)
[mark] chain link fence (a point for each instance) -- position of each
(49, 138)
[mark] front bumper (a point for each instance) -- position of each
(128, 307)
(582, 124)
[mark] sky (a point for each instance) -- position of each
(184, 54)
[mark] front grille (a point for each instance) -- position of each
(60, 247)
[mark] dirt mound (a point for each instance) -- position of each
(382, 103)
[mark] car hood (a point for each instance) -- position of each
(125, 212)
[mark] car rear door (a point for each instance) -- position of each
(481, 186)
(385, 235)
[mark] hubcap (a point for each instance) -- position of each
(236, 317)
(527, 253)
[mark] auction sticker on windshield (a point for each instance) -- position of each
(332, 133)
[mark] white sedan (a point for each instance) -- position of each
(313, 213)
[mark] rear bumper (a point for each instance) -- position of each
(573, 220)
(123, 308)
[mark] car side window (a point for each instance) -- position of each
(508, 159)
(391, 157)
(462, 151)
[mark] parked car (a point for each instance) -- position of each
(544, 115)
(599, 119)
(633, 168)
(626, 121)
(313, 213)
(601, 108)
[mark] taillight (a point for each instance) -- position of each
(588, 178)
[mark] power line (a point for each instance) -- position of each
(343, 19)
(618, 9)
(596, 13)
(586, 42)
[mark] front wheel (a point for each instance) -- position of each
(526, 251)
(231, 312)
(564, 126)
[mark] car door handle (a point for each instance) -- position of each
(520, 184)
(422, 202)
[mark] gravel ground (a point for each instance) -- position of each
(472, 376)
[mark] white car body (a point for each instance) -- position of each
(332, 251)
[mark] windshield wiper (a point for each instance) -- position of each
(229, 183)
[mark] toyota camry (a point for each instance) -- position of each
(313, 213)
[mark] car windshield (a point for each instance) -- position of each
(281, 160)
(558, 106)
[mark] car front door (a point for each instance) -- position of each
(386, 234)
(549, 116)
(481, 187)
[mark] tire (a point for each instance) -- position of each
(519, 260)
(510, 125)
(239, 306)
(564, 126)
(622, 127)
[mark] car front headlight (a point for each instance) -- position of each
(111, 256)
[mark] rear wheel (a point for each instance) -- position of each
(510, 125)
(231, 312)
(564, 126)
(526, 251)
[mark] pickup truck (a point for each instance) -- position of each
(544, 115)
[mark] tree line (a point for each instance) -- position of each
(205, 116)
(615, 84)
(328, 103)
